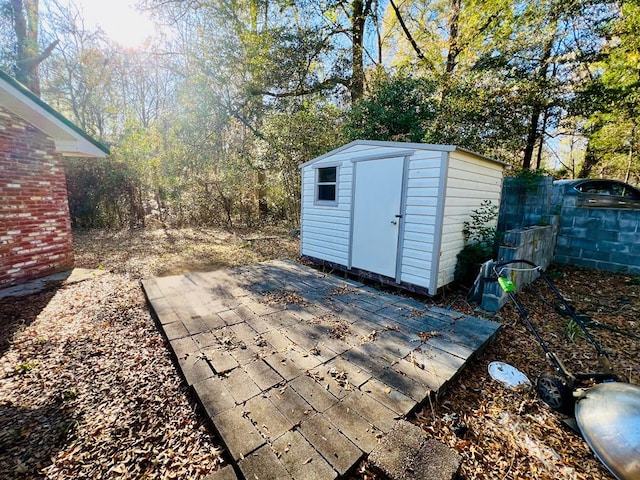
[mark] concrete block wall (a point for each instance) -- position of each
(535, 244)
(35, 228)
(524, 204)
(602, 238)
(599, 238)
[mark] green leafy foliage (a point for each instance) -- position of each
(573, 331)
(611, 101)
(469, 260)
(530, 179)
(103, 194)
(25, 367)
(208, 125)
(481, 226)
(480, 241)
(396, 107)
(290, 139)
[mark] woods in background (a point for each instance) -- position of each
(208, 121)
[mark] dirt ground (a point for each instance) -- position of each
(88, 388)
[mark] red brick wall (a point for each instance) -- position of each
(35, 229)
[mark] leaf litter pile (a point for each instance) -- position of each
(508, 434)
(282, 297)
(88, 388)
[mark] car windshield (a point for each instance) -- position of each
(599, 187)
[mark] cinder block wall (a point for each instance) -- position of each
(524, 205)
(35, 229)
(535, 244)
(601, 238)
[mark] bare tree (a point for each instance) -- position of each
(29, 56)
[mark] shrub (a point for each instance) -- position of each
(480, 236)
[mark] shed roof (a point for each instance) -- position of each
(69, 139)
(404, 145)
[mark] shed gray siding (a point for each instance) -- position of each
(326, 229)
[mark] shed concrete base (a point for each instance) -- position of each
(407, 454)
(303, 374)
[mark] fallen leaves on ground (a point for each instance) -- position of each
(344, 290)
(426, 336)
(339, 329)
(508, 434)
(88, 390)
(282, 297)
(372, 336)
(144, 253)
(340, 376)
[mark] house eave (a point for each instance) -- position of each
(69, 139)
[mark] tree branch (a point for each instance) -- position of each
(319, 87)
(42, 57)
(406, 31)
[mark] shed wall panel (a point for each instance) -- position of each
(421, 263)
(325, 229)
(414, 279)
(424, 245)
(420, 228)
(470, 180)
(423, 180)
(313, 237)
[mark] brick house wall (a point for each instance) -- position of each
(35, 228)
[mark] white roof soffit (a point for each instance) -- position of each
(68, 141)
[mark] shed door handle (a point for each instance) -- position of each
(399, 215)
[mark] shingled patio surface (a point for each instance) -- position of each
(302, 373)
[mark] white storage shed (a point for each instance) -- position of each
(393, 211)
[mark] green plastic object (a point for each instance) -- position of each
(506, 284)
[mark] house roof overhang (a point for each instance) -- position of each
(70, 140)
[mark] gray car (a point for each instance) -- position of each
(601, 193)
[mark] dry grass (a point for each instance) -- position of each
(162, 252)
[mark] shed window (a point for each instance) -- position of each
(327, 184)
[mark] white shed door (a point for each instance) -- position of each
(377, 201)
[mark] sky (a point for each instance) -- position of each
(119, 19)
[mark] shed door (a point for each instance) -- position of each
(377, 202)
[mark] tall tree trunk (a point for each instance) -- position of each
(26, 21)
(357, 25)
(541, 142)
(532, 137)
(263, 204)
(454, 46)
(590, 161)
(453, 52)
(538, 104)
(360, 10)
(630, 155)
